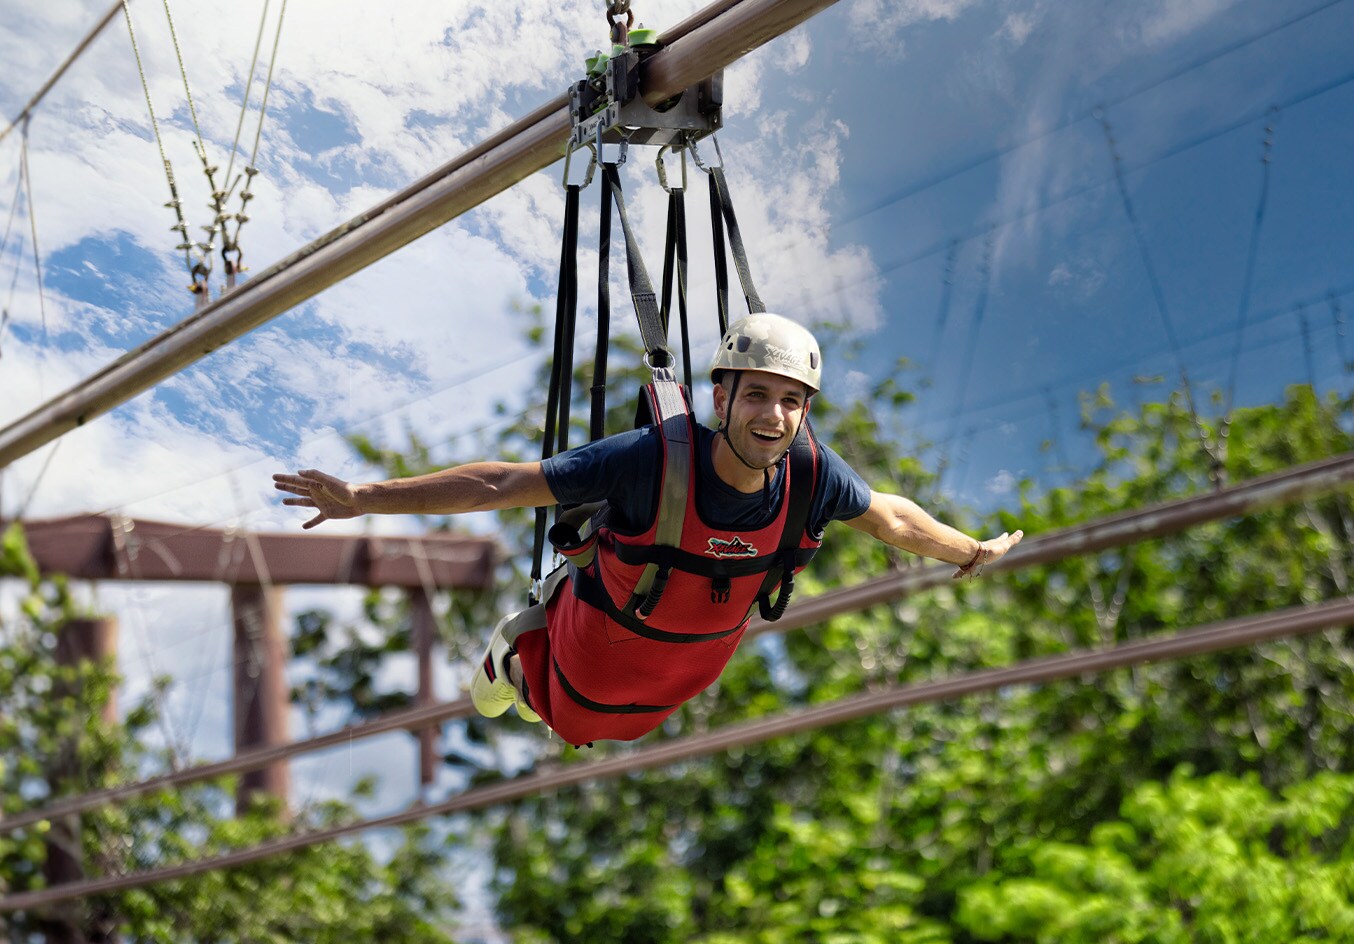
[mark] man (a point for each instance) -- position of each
(700, 528)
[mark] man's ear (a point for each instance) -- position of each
(721, 396)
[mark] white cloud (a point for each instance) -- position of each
(1017, 27)
(1172, 18)
(880, 24)
(1003, 483)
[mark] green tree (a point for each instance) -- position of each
(885, 821)
(1192, 860)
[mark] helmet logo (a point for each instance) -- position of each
(785, 356)
(735, 547)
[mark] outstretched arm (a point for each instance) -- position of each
(478, 486)
(902, 522)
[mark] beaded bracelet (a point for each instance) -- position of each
(967, 569)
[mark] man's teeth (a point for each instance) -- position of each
(772, 437)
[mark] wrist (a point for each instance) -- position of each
(975, 559)
(360, 495)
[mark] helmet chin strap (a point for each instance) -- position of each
(764, 469)
(724, 429)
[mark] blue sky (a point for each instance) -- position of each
(878, 152)
(884, 147)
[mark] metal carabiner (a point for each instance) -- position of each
(592, 166)
(695, 154)
(663, 170)
(624, 144)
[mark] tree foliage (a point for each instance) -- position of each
(922, 825)
(53, 742)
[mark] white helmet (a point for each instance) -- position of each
(772, 343)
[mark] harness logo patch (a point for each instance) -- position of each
(735, 547)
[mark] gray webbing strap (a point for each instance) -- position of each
(673, 417)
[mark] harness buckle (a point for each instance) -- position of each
(719, 589)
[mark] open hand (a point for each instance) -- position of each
(332, 498)
(991, 550)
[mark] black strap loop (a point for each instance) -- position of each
(561, 366)
(721, 258)
(675, 264)
(601, 707)
(655, 594)
(772, 612)
(720, 198)
(597, 424)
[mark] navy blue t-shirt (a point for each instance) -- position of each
(624, 470)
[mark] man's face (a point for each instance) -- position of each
(764, 416)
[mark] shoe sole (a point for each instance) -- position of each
(491, 694)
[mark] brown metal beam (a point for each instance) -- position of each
(521, 149)
(424, 632)
(260, 688)
(1306, 481)
(1214, 637)
(95, 547)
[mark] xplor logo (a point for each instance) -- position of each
(734, 547)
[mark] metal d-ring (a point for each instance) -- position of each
(667, 367)
(592, 166)
(663, 170)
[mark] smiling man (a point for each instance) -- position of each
(692, 531)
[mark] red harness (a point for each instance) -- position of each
(652, 618)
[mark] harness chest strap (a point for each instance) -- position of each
(664, 400)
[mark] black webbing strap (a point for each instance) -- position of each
(597, 417)
(641, 289)
(589, 588)
(675, 264)
(721, 258)
(580, 699)
(561, 363)
(802, 462)
(701, 565)
(720, 200)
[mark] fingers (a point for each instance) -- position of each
(323, 478)
(309, 484)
